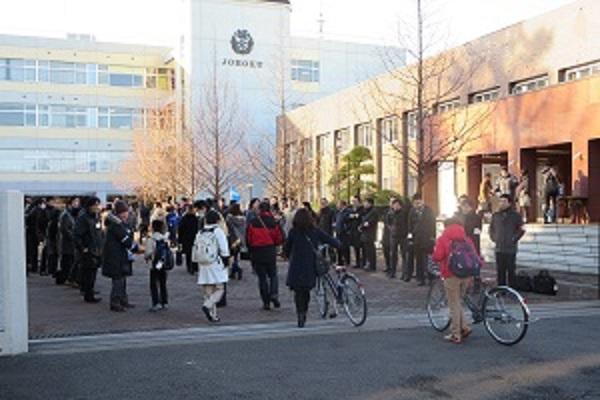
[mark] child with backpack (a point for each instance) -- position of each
(160, 259)
(211, 253)
(459, 262)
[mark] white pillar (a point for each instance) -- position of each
(13, 282)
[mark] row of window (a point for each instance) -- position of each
(60, 72)
(60, 161)
(64, 116)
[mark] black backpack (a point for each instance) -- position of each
(544, 283)
(524, 282)
(163, 253)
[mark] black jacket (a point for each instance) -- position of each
(368, 225)
(327, 220)
(88, 239)
(472, 224)
(353, 222)
(396, 224)
(421, 224)
(187, 230)
(301, 273)
(52, 231)
(119, 242)
(66, 227)
(506, 230)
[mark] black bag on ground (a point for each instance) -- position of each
(544, 283)
(524, 282)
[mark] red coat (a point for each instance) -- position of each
(443, 247)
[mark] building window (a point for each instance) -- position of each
(446, 106)
(323, 144)
(389, 129)
(485, 96)
(67, 117)
(342, 140)
(307, 148)
(17, 114)
(579, 72)
(529, 85)
(159, 78)
(412, 129)
(12, 69)
(364, 135)
(305, 71)
(119, 118)
(114, 75)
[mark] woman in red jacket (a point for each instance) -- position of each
(455, 287)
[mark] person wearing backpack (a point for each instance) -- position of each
(159, 258)
(211, 253)
(263, 235)
(459, 262)
(301, 250)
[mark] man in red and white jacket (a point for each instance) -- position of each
(263, 236)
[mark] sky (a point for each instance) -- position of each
(155, 21)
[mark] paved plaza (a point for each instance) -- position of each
(57, 311)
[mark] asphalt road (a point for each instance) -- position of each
(558, 360)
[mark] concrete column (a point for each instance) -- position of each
(13, 285)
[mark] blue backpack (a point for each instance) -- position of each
(164, 255)
(464, 261)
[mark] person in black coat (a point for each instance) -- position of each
(187, 230)
(353, 222)
(396, 229)
(119, 248)
(343, 233)
(368, 234)
(52, 236)
(421, 239)
(326, 221)
(470, 220)
(300, 248)
(33, 234)
(89, 241)
(66, 245)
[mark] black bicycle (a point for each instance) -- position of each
(345, 290)
(502, 310)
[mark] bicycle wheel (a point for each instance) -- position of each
(438, 311)
(321, 297)
(505, 315)
(354, 300)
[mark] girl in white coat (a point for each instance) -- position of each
(211, 252)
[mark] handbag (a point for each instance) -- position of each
(321, 263)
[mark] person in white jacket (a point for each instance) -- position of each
(211, 252)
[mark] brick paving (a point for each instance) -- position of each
(56, 311)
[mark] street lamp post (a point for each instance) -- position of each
(250, 187)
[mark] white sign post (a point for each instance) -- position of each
(13, 282)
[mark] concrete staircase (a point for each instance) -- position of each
(569, 248)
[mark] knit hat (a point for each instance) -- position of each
(120, 207)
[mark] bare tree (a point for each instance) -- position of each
(217, 137)
(426, 93)
(152, 170)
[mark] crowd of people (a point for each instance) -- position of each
(71, 240)
(518, 189)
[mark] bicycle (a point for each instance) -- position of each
(346, 290)
(503, 311)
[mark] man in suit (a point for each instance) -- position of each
(421, 239)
